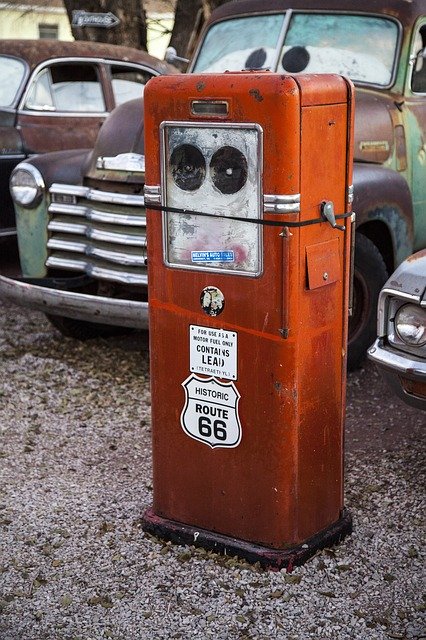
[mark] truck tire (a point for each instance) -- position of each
(83, 330)
(370, 274)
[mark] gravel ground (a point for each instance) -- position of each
(75, 472)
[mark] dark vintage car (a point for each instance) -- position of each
(55, 95)
(67, 240)
(400, 348)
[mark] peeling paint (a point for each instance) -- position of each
(255, 93)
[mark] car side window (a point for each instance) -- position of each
(67, 87)
(76, 87)
(40, 96)
(418, 79)
(128, 82)
(12, 73)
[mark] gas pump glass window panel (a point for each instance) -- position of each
(213, 169)
(312, 43)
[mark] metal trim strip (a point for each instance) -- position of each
(118, 257)
(81, 306)
(96, 271)
(97, 234)
(97, 215)
(97, 196)
(152, 194)
(281, 203)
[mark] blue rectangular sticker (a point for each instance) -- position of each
(212, 256)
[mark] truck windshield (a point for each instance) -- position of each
(312, 43)
(12, 72)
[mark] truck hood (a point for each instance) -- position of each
(374, 136)
(409, 277)
(118, 155)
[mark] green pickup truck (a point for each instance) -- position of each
(80, 215)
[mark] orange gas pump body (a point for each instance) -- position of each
(276, 493)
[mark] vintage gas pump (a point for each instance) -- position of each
(248, 203)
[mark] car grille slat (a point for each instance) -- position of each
(105, 240)
(101, 271)
(98, 215)
(104, 251)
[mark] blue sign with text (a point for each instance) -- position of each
(212, 256)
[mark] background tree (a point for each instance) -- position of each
(130, 32)
(190, 16)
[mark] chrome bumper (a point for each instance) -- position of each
(81, 306)
(405, 365)
(396, 368)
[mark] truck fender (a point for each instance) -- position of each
(67, 167)
(384, 211)
(31, 223)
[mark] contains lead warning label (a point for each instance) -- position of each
(213, 352)
(210, 414)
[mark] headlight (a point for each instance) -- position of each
(26, 185)
(410, 325)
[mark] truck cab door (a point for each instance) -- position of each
(416, 130)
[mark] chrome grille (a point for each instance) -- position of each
(99, 233)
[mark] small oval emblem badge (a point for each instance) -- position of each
(212, 301)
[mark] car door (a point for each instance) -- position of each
(415, 113)
(64, 105)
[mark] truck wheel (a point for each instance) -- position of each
(82, 330)
(370, 274)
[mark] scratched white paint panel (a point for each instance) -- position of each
(188, 233)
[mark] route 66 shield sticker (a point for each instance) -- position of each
(210, 414)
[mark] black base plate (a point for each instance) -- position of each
(287, 558)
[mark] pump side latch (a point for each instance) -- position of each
(327, 212)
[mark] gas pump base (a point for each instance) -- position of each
(274, 559)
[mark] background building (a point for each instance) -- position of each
(29, 19)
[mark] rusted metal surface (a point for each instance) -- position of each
(374, 138)
(42, 133)
(123, 132)
(383, 198)
(34, 52)
(416, 389)
(282, 483)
